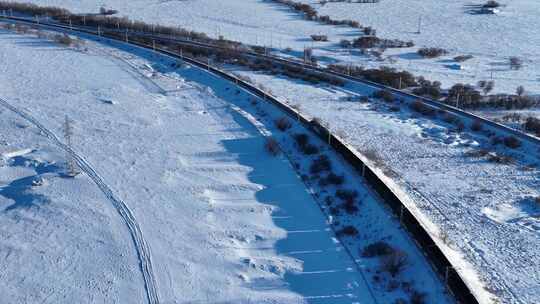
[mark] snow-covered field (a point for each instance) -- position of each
(484, 210)
(491, 39)
(224, 221)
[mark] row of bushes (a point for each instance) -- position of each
(321, 169)
(113, 23)
(510, 102)
(63, 39)
(33, 9)
(311, 14)
(428, 88)
(367, 42)
(392, 261)
(509, 141)
(432, 52)
(385, 75)
(532, 125)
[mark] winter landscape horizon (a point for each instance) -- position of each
(270, 151)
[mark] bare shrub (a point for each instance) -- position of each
(394, 263)
(477, 126)
(283, 124)
(418, 297)
(302, 142)
(320, 164)
(515, 63)
(272, 146)
(349, 200)
(486, 86)
(532, 125)
(512, 142)
(477, 153)
(384, 95)
(432, 52)
(500, 159)
(464, 96)
(451, 118)
(384, 75)
(331, 179)
(63, 39)
(491, 4)
(319, 37)
(422, 108)
(376, 249)
(347, 231)
(428, 88)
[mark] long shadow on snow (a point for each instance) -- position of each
(308, 239)
(282, 188)
(325, 275)
(18, 190)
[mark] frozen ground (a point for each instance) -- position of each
(61, 240)
(224, 221)
(491, 39)
(484, 210)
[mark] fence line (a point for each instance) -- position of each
(441, 264)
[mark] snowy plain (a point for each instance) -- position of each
(491, 39)
(483, 209)
(225, 221)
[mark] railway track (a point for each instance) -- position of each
(291, 63)
(441, 264)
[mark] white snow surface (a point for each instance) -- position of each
(225, 222)
(491, 39)
(482, 211)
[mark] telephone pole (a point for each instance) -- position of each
(68, 133)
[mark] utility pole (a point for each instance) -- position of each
(419, 25)
(68, 133)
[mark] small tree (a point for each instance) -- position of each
(486, 86)
(520, 91)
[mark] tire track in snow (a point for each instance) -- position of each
(142, 248)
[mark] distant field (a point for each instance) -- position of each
(491, 39)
